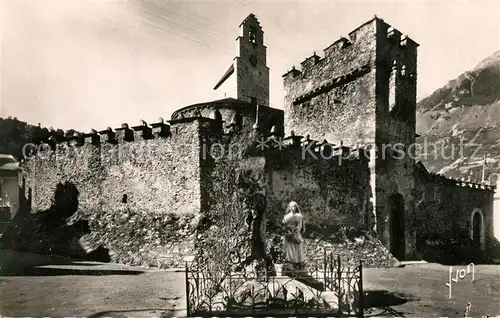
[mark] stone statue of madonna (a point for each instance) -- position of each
(294, 227)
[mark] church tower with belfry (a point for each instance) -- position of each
(247, 79)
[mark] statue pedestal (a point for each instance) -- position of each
(279, 269)
(299, 275)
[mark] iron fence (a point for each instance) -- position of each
(324, 288)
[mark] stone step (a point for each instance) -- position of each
(310, 281)
(294, 288)
(405, 263)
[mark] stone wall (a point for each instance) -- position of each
(333, 97)
(395, 91)
(140, 200)
(395, 179)
(222, 203)
(331, 192)
(152, 202)
(363, 91)
(239, 114)
(444, 212)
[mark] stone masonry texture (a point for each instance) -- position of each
(363, 92)
(214, 181)
(141, 199)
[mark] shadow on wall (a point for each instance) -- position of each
(451, 251)
(493, 246)
(47, 232)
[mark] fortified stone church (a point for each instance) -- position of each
(150, 194)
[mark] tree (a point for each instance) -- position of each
(14, 134)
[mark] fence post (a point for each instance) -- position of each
(187, 290)
(339, 282)
(332, 271)
(339, 272)
(325, 268)
(361, 304)
(253, 298)
(230, 293)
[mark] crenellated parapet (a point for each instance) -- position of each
(311, 61)
(367, 76)
(463, 183)
(371, 43)
(92, 138)
(314, 63)
(303, 149)
(394, 35)
(145, 131)
(343, 51)
(108, 136)
(126, 134)
(336, 46)
(292, 73)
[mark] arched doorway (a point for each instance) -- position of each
(397, 226)
(477, 228)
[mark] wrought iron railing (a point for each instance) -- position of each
(324, 288)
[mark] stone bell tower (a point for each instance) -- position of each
(248, 77)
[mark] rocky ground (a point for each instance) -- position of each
(34, 285)
(366, 248)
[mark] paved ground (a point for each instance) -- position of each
(85, 289)
(29, 287)
(420, 290)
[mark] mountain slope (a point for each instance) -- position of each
(461, 121)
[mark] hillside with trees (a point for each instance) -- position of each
(14, 134)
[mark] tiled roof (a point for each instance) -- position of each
(224, 77)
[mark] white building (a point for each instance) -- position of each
(10, 174)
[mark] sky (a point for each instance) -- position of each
(93, 64)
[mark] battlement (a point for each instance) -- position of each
(343, 94)
(394, 35)
(292, 73)
(306, 149)
(128, 134)
(340, 44)
(360, 44)
(310, 61)
(459, 182)
(125, 133)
